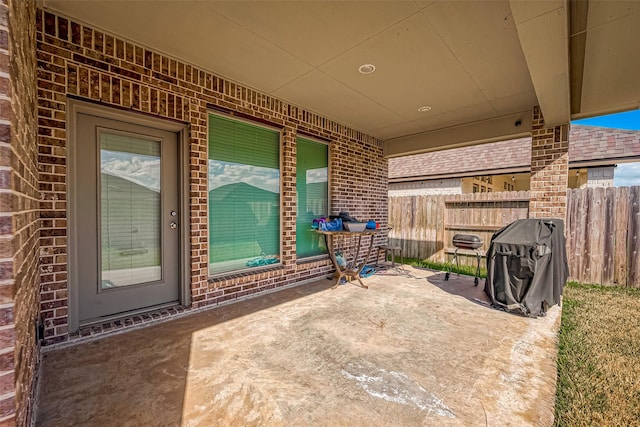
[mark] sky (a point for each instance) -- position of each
(223, 173)
(626, 174)
(145, 170)
(138, 168)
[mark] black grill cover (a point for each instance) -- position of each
(527, 266)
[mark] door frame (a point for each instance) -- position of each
(75, 107)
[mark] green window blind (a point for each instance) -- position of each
(312, 186)
(244, 195)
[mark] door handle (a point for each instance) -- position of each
(173, 225)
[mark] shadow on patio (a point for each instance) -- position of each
(452, 286)
(403, 352)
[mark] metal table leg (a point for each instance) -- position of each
(354, 268)
(328, 239)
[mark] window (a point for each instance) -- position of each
(312, 186)
(244, 195)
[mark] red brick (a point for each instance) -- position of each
(147, 81)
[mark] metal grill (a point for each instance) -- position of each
(466, 241)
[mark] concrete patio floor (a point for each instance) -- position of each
(410, 350)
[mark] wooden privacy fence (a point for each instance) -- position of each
(602, 235)
(424, 226)
(602, 228)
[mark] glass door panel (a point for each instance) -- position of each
(127, 216)
(130, 210)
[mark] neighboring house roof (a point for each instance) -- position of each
(588, 145)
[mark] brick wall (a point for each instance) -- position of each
(79, 61)
(7, 330)
(549, 169)
(19, 222)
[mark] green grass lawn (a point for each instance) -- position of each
(443, 266)
(599, 357)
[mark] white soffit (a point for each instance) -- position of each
(517, 102)
(469, 61)
(487, 46)
(319, 92)
(491, 130)
(612, 58)
(388, 132)
(315, 32)
(455, 57)
(414, 67)
(543, 30)
(470, 114)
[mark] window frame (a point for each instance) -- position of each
(272, 127)
(329, 144)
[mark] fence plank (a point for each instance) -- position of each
(440, 256)
(609, 237)
(584, 273)
(570, 230)
(596, 253)
(633, 263)
(620, 239)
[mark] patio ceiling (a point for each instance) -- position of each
(480, 66)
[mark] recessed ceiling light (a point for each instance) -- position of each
(367, 68)
(424, 108)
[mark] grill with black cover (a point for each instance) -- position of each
(527, 266)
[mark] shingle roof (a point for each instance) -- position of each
(586, 143)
